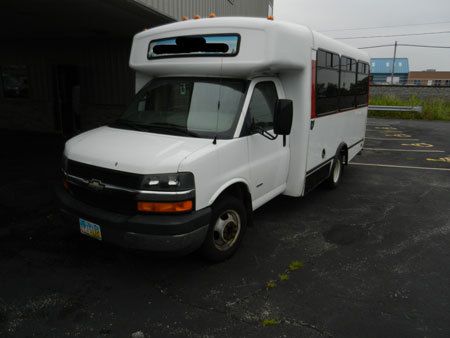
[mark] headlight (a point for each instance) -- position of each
(169, 182)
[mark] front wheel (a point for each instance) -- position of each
(337, 170)
(226, 229)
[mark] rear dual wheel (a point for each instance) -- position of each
(337, 170)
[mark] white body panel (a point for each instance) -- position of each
(132, 151)
(332, 130)
(270, 50)
(263, 50)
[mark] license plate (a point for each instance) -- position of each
(90, 229)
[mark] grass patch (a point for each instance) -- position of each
(433, 108)
(284, 277)
(271, 284)
(270, 322)
(295, 265)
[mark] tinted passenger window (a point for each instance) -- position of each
(327, 82)
(362, 84)
(347, 89)
(262, 105)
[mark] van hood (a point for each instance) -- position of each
(132, 151)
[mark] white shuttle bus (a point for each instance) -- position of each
(228, 114)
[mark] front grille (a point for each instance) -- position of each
(116, 201)
(107, 200)
(113, 177)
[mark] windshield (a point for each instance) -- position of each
(196, 107)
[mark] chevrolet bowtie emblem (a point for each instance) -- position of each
(96, 184)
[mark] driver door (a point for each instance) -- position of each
(268, 159)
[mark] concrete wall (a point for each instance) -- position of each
(177, 8)
(405, 92)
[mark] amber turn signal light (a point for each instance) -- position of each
(165, 207)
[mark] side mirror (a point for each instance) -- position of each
(282, 117)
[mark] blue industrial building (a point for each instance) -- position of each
(381, 70)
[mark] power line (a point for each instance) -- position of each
(423, 46)
(391, 26)
(389, 36)
(378, 46)
(405, 45)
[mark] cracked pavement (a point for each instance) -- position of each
(375, 258)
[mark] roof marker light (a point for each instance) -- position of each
(184, 18)
(270, 17)
(196, 17)
(212, 15)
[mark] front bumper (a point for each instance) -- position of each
(162, 233)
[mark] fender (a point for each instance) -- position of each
(225, 186)
(342, 149)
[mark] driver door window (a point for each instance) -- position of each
(262, 106)
(268, 159)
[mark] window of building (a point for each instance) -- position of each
(417, 82)
(347, 83)
(387, 64)
(437, 83)
(400, 64)
(14, 81)
(447, 82)
(262, 105)
(327, 82)
(362, 84)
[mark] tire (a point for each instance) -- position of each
(227, 227)
(336, 173)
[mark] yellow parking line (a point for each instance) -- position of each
(418, 145)
(440, 159)
(392, 139)
(407, 150)
(398, 166)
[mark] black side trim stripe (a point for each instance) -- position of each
(317, 167)
(353, 145)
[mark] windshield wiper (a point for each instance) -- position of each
(173, 128)
(129, 124)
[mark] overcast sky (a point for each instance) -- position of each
(330, 16)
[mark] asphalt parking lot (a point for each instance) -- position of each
(368, 259)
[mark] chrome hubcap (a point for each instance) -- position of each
(226, 230)
(337, 171)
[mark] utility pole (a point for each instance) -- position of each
(393, 63)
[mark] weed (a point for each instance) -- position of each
(284, 277)
(271, 284)
(295, 265)
(270, 322)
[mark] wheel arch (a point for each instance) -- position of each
(238, 188)
(342, 150)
